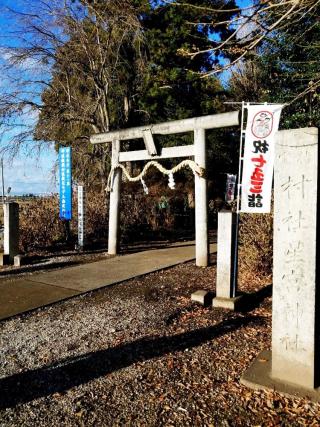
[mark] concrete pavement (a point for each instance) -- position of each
(39, 289)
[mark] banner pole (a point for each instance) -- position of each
(236, 232)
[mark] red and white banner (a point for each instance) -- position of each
(262, 125)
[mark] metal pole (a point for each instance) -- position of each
(236, 239)
(2, 180)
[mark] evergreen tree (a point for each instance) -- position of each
(174, 88)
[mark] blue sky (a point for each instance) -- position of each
(31, 175)
(27, 172)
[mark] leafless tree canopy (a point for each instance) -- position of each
(253, 24)
(75, 48)
(253, 27)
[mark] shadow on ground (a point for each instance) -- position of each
(59, 377)
(128, 249)
(255, 299)
(40, 267)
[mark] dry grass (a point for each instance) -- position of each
(256, 245)
(41, 227)
(141, 217)
(39, 223)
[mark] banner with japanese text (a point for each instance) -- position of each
(65, 176)
(258, 158)
(230, 187)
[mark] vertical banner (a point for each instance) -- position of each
(256, 186)
(230, 187)
(65, 183)
(81, 216)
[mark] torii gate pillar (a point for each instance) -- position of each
(201, 200)
(114, 208)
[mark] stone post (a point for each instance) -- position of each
(11, 229)
(293, 365)
(201, 203)
(294, 312)
(226, 282)
(114, 208)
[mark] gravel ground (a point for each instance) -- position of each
(141, 354)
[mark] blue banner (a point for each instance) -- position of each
(65, 175)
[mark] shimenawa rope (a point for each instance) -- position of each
(196, 169)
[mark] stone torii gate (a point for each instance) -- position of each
(197, 125)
